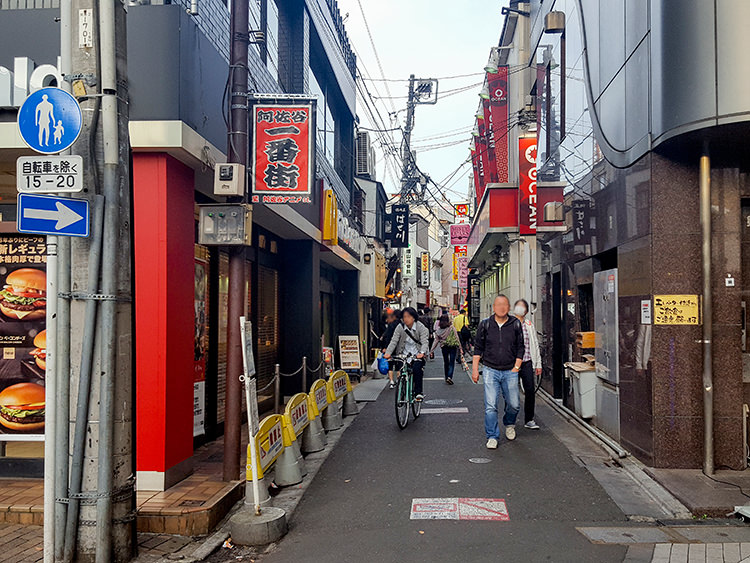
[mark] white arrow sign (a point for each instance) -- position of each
(63, 215)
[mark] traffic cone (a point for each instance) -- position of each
(350, 404)
(288, 471)
(332, 419)
(314, 437)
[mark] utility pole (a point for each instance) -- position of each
(407, 157)
(97, 523)
(237, 140)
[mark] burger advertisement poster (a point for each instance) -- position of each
(23, 338)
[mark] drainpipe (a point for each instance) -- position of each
(708, 385)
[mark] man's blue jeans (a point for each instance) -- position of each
(495, 382)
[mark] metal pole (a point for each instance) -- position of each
(277, 390)
(110, 190)
(62, 435)
(708, 385)
(237, 151)
(61, 342)
(50, 404)
(304, 374)
(84, 379)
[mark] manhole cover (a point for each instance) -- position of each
(444, 402)
(479, 460)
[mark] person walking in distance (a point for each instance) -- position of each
(499, 346)
(392, 319)
(532, 362)
(461, 322)
(447, 338)
(411, 339)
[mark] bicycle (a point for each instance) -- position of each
(405, 395)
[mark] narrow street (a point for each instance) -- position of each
(358, 506)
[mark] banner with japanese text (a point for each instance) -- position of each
(498, 110)
(23, 338)
(400, 226)
(489, 136)
(282, 154)
(527, 185)
(483, 149)
(478, 185)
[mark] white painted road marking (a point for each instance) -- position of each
(459, 509)
(445, 410)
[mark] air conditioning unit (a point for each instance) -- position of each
(365, 164)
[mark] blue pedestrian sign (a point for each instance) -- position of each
(50, 120)
(48, 215)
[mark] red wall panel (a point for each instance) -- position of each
(164, 270)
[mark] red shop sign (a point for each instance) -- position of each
(282, 154)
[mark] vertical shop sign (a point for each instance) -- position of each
(424, 269)
(408, 267)
(498, 109)
(200, 346)
(581, 221)
(463, 272)
(282, 154)
(462, 211)
(458, 252)
(400, 226)
(23, 338)
(527, 184)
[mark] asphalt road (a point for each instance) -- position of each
(358, 507)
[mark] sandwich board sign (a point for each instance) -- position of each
(48, 215)
(50, 120)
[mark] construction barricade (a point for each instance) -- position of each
(269, 444)
(296, 419)
(314, 436)
(336, 389)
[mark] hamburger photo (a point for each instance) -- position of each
(22, 407)
(40, 352)
(24, 296)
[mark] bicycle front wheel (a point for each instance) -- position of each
(402, 403)
(416, 408)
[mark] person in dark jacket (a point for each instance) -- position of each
(393, 319)
(499, 345)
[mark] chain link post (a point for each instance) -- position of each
(304, 374)
(277, 390)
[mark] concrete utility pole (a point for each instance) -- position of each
(407, 157)
(98, 522)
(237, 151)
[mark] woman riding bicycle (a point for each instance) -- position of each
(411, 338)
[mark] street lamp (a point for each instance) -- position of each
(494, 60)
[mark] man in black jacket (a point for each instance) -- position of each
(499, 346)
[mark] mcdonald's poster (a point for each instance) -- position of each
(23, 338)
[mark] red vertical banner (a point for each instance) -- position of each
(527, 185)
(489, 134)
(498, 109)
(483, 148)
(282, 154)
(478, 183)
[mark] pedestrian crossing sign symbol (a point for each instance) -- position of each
(50, 120)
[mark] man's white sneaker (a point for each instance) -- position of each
(510, 432)
(531, 425)
(492, 444)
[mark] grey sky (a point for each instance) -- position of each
(427, 38)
